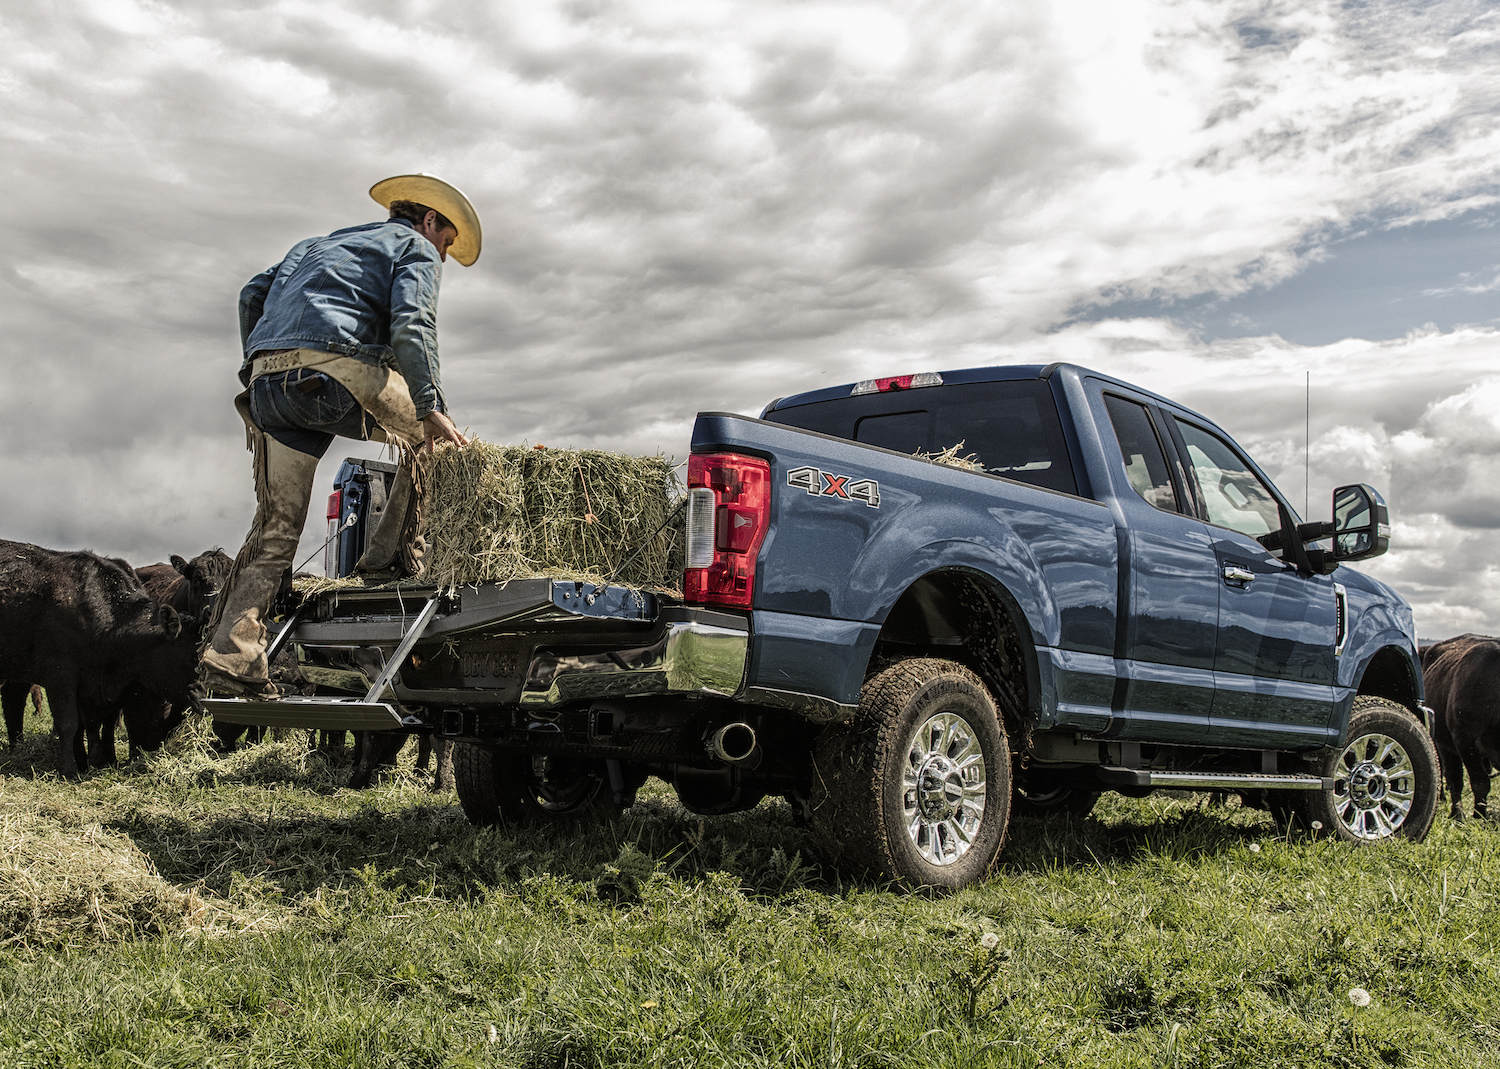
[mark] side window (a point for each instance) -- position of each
(1145, 462)
(1233, 496)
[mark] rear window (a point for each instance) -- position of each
(1012, 427)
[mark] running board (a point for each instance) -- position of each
(320, 714)
(1212, 781)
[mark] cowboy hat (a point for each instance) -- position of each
(434, 193)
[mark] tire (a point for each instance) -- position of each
(1387, 777)
(1038, 798)
(917, 787)
(501, 786)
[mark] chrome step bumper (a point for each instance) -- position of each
(1212, 781)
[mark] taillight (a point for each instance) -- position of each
(897, 382)
(331, 550)
(729, 508)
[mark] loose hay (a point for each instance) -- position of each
(188, 759)
(66, 884)
(953, 458)
(497, 513)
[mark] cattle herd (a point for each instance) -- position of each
(109, 643)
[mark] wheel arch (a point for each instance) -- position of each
(1391, 673)
(964, 614)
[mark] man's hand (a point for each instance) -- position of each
(438, 427)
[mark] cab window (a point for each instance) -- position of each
(1233, 496)
(1145, 461)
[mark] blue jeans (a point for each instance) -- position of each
(305, 410)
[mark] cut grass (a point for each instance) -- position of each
(377, 928)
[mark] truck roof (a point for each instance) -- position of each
(992, 373)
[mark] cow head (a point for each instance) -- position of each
(169, 668)
(205, 574)
(148, 719)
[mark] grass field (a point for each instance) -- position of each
(191, 911)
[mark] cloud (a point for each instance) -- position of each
(702, 206)
(1467, 284)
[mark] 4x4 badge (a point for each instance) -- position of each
(821, 483)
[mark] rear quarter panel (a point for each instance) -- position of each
(836, 566)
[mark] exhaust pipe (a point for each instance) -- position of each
(734, 744)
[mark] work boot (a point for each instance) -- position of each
(396, 548)
(218, 684)
(236, 653)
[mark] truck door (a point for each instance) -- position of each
(1274, 655)
(1169, 592)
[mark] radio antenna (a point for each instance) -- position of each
(1307, 449)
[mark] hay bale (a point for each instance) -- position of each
(496, 513)
(65, 883)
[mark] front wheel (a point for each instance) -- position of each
(495, 786)
(917, 787)
(1386, 777)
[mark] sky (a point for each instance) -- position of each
(705, 205)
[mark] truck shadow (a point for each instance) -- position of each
(1187, 830)
(431, 850)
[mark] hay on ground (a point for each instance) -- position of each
(63, 883)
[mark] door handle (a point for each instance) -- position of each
(1233, 573)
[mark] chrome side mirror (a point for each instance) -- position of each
(1361, 523)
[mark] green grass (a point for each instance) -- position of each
(302, 924)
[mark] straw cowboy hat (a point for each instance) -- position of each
(442, 198)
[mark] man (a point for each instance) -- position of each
(340, 338)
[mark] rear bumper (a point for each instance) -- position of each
(692, 657)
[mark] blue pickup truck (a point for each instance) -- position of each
(1111, 597)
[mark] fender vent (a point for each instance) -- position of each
(1341, 627)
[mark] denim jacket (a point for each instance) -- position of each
(369, 292)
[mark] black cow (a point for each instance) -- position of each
(12, 698)
(83, 627)
(187, 586)
(1462, 677)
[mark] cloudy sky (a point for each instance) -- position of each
(704, 205)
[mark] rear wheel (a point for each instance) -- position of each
(495, 786)
(918, 786)
(1386, 777)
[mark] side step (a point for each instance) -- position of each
(328, 714)
(321, 714)
(1209, 781)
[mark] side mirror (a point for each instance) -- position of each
(1361, 523)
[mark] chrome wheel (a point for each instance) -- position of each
(1376, 784)
(944, 786)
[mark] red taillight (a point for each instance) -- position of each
(741, 489)
(335, 504)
